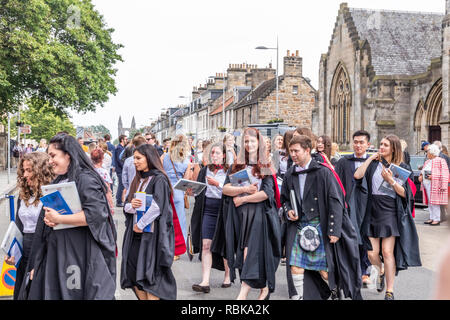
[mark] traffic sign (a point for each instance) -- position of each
(25, 129)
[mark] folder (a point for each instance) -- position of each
(12, 243)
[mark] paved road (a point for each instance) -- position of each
(413, 284)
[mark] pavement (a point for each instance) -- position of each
(412, 284)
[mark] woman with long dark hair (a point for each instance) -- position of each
(77, 263)
(248, 234)
(204, 216)
(148, 244)
(323, 148)
(388, 229)
(33, 172)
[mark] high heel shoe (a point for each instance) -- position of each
(268, 296)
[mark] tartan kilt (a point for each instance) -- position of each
(314, 261)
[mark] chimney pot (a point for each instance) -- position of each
(288, 53)
(296, 53)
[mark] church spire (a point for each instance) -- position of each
(133, 123)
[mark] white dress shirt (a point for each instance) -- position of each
(29, 215)
(214, 192)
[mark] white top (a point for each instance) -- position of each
(426, 182)
(150, 215)
(283, 164)
(29, 215)
(212, 191)
(104, 174)
(359, 163)
(107, 162)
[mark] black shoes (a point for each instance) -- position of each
(389, 296)
(380, 283)
(119, 205)
(428, 222)
(199, 288)
(225, 285)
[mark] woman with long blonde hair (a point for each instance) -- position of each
(33, 172)
(177, 165)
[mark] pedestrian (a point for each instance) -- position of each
(77, 263)
(177, 166)
(285, 158)
(129, 169)
(111, 149)
(406, 156)
(42, 146)
(323, 146)
(387, 224)
(199, 152)
(203, 161)
(166, 144)
(97, 157)
(302, 131)
(148, 245)
(91, 147)
(434, 178)
(118, 166)
(447, 159)
(249, 230)
(33, 172)
(321, 245)
(346, 168)
(229, 142)
(205, 213)
(151, 140)
(107, 159)
(83, 146)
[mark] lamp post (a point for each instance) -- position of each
(265, 48)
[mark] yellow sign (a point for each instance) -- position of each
(7, 280)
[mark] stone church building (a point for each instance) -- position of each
(386, 72)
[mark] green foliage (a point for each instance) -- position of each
(99, 129)
(56, 51)
(275, 121)
(44, 120)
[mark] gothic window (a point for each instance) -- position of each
(341, 102)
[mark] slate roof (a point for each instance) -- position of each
(263, 90)
(402, 43)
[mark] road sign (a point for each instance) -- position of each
(26, 129)
(7, 281)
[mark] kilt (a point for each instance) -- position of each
(314, 261)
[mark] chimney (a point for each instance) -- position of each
(293, 65)
(195, 93)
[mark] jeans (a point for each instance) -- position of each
(119, 189)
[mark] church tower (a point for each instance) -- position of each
(133, 124)
(445, 123)
(120, 126)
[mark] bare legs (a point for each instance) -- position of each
(207, 264)
(388, 245)
(245, 288)
(143, 295)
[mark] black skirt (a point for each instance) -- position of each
(383, 222)
(133, 259)
(210, 214)
(22, 268)
(248, 212)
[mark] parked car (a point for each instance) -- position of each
(417, 163)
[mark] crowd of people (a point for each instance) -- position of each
(328, 218)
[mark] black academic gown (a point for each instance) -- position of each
(406, 250)
(323, 198)
(28, 254)
(157, 249)
(77, 263)
(264, 244)
(197, 221)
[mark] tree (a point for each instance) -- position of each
(56, 51)
(44, 122)
(101, 129)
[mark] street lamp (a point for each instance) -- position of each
(265, 48)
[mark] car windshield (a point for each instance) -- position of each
(417, 162)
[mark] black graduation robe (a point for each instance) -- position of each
(406, 250)
(157, 249)
(264, 244)
(324, 198)
(77, 263)
(197, 221)
(24, 265)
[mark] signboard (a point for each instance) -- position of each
(26, 129)
(7, 280)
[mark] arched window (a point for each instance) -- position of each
(341, 102)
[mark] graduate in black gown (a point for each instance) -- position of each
(248, 232)
(33, 172)
(321, 245)
(301, 131)
(77, 263)
(205, 214)
(148, 244)
(346, 168)
(387, 229)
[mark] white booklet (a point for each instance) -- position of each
(69, 192)
(12, 243)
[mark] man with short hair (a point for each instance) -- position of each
(151, 140)
(83, 146)
(321, 243)
(447, 159)
(119, 166)
(346, 168)
(166, 144)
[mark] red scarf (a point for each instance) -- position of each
(180, 244)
